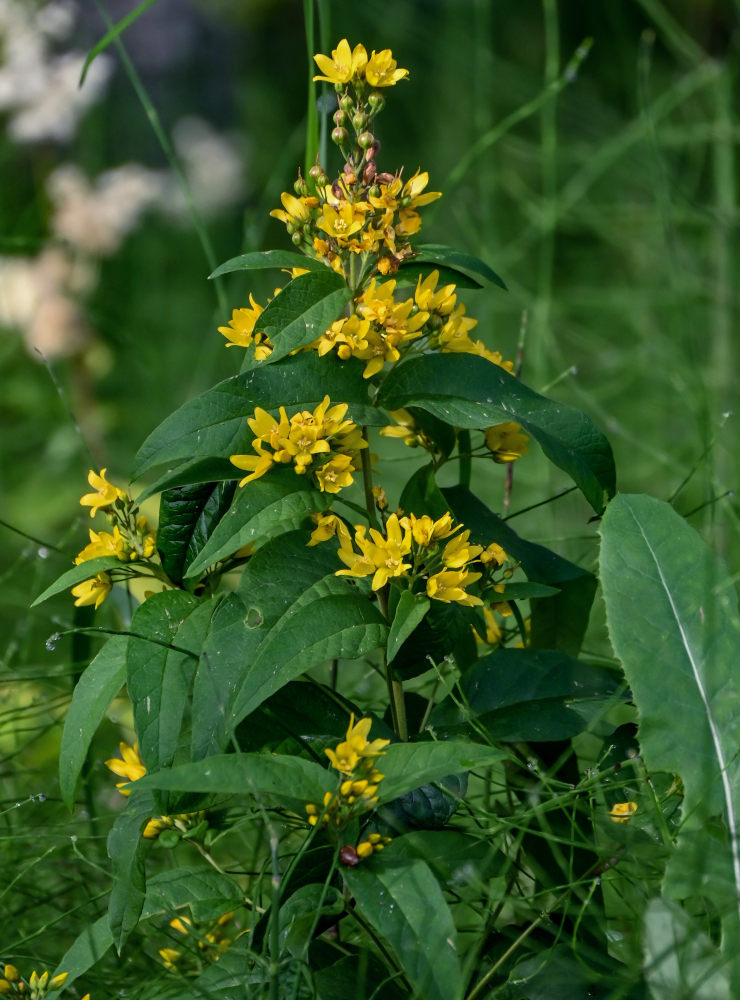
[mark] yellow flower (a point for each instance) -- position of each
(620, 812)
(240, 331)
(427, 531)
(257, 464)
(493, 554)
(340, 222)
(93, 591)
(326, 528)
(129, 766)
(412, 194)
(169, 958)
(336, 474)
(427, 297)
(355, 747)
(345, 64)
(449, 585)
(103, 543)
(458, 552)
(381, 70)
(506, 442)
(295, 212)
(106, 493)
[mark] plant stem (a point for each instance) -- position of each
(464, 457)
(367, 481)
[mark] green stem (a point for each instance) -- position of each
(367, 481)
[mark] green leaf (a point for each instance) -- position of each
(188, 516)
(208, 893)
(421, 495)
(471, 392)
(408, 765)
(527, 694)
(289, 781)
(331, 626)
(213, 425)
(301, 912)
(680, 960)
(85, 571)
(409, 612)
(89, 947)
(456, 858)
(405, 906)
(276, 502)
(112, 35)
(303, 310)
(197, 471)
(127, 850)
(95, 690)
(463, 264)
(429, 807)
(267, 259)
(160, 668)
(673, 620)
(558, 622)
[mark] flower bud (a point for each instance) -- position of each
(346, 103)
(315, 172)
(296, 239)
(372, 151)
(368, 175)
(348, 856)
(359, 121)
(366, 140)
(339, 136)
(376, 101)
(340, 118)
(338, 88)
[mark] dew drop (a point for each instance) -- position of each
(43, 552)
(51, 642)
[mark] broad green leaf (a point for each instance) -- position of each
(208, 893)
(673, 621)
(427, 807)
(290, 781)
(275, 578)
(188, 516)
(95, 690)
(280, 500)
(300, 914)
(405, 906)
(465, 264)
(127, 851)
(680, 960)
(90, 945)
(77, 574)
(558, 622)
(527, 694)
(421, 495)
(303, 310)
(409, 612)
(526, 591)
(160, 668)
(193, 473)
(213, 425)
(456, 858)
(468, 391)
(336, 626)
(267, 259)
(408, 765)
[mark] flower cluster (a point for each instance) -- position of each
(437, 553)
(354, 759)
(324, 440)
(130, 767)
(12, 984)
(130, 540)
(203, 941)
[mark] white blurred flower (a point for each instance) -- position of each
(41, 90)
(96, 216)
(213, 166)
(37, 297)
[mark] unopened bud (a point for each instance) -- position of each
(339, 136)
(369, 173)
(359, 121)
(340, 118)
(315, 172)
(346, 103)
(297, 239)
(376, 101)
(366, 140)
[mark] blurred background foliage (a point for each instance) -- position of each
(604, 192)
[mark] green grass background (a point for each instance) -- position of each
(609, 207)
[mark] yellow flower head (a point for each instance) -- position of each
(240, 331)
(620, 812)
(506, 442)
(355, 747)
(129, 765)
(382, 71)
(449, 586)
(93, 591)
(493, 554)
(103, 543)
(106, 493)
(344, 65)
